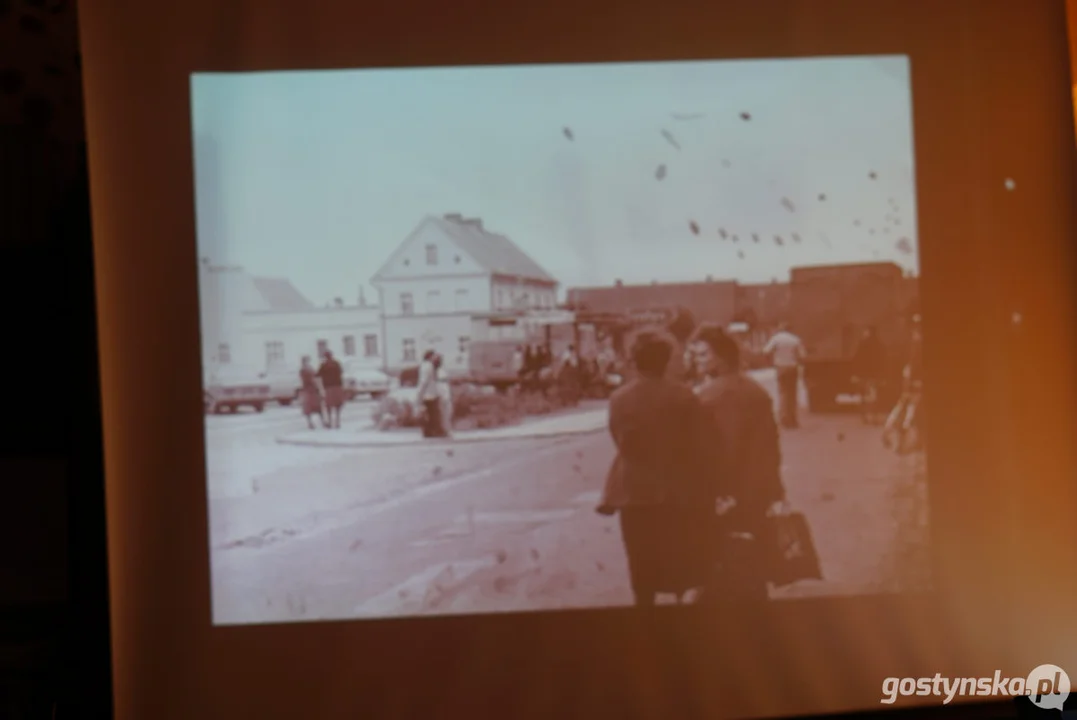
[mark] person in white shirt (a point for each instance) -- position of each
(429, 396)
(786, 352)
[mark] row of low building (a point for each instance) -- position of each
(444, 285)
(447, 284)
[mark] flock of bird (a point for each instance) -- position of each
(889, 225)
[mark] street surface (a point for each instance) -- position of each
(308, 533)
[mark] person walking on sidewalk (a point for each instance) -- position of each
(787, 353)
(332, 377)
(869, 364)
(441, 380)
(906, 419)
(310, 395)
(657, 481)
(429, 397)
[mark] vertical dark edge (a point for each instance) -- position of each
(87, 671)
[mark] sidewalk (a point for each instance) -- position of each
(588, 418)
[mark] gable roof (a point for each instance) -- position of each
(494, 253)
(279, 295)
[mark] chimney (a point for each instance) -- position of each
(362, 297)
(475, 222)
(710, 278)
(618, 283)
(455, 217)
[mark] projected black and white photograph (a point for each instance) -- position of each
(535, 338)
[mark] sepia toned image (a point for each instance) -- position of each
(507, 339)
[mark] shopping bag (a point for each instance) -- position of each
(794, 556)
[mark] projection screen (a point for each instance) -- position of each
(573, 368)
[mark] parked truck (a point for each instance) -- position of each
(830, 308)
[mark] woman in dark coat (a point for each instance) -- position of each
(739, 413)
(657, 482)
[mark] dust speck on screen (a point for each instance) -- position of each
(466, 350)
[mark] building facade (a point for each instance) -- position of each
(267, 324)
(710, 301)
(449, 271)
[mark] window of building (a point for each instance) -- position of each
(431, 254)
(462, 300)
(224, 353)
(433, 301)
(349, 345)
(274, 352)
(370, 345)
(407, 304)
(409, 350)
(463, 343)
(323, 348)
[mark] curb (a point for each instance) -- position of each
(436, 442)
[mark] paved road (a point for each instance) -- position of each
(310, 533)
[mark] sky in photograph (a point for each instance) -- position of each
(318, 176)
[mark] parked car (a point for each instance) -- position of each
(228, 389)
(366, 381)
(283, 385)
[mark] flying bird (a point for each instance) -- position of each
(726, 163)
(745, 116)
(872, 175)
(670, 139)
(904, 245)
(778, 241)
(856, 223)
(722, 232)
(788, 205)
(822, 197)
(568, 133)
(740, 254)
(755, 237)
(693, 227)
(660, 173)
(825, 239)
(796, 238)
(736, 238)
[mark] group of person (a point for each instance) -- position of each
(697, 470)
(871, 374)
(574, 374)
(321, 391)
(903, 422)
(435, 396)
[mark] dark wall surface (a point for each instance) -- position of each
(53, 588)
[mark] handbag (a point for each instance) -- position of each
(794, 556)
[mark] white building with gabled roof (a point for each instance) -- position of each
(448, 271)
(260, 324)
